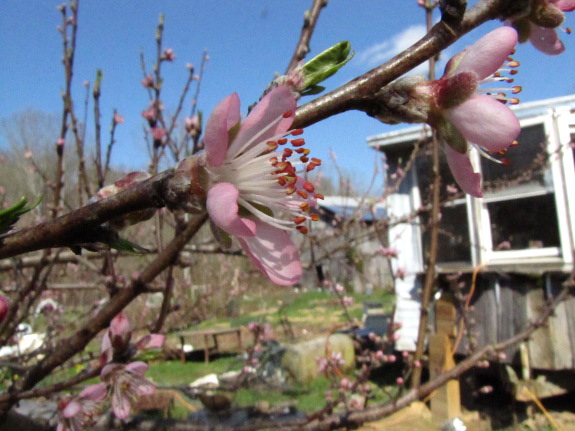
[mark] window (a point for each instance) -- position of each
(454, 245)
(526, 223)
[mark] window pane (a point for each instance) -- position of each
(525, 223)
(528, 163)
(454, 244)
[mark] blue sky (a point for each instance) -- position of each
(247, 41)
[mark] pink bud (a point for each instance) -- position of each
(451, 190)
(148, 81)
(168, 55)
(149, 114)
(118, 119)
(158, 133)
(399, 381)
(3, 308)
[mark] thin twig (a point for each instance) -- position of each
(310, 20)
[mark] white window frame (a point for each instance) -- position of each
(555, 132)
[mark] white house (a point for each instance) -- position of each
(522, 232)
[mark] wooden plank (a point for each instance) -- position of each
(512, 314)
(446, 401)
(485, 314)
(540, 346)
(570, 312)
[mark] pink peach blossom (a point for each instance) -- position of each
(127, 383)
(539, 27)
(252, 181)
(469, 117)
(77, 413)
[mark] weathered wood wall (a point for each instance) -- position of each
(504, 304)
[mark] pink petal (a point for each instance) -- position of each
(137, 367)
(151, 341)
(145, 387)
(222, 205)
(274, 253)
(546, 40)
(106, 348)
(565, 5)
(120, 325)
(96, 392)
(121, 405)
(465, 176)
(108, 370)
(273, 106)
(485, 121)
(224, 116)
(486, 55)
(72, 409)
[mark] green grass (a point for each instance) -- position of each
(176, 373)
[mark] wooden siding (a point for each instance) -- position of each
(503, 305)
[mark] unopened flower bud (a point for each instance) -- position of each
(4, 306)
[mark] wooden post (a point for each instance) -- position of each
(446, 401)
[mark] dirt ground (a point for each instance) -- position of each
(417, 417)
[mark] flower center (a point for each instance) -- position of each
(270, 178)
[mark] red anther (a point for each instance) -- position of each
(513, 100)
(281, 165)
(516, 89)
(282, 141)
(290, 190)
(289, 170)
(315, 217)
(513, 72)
(298, 142)
(302, 229)
(309, 187)
(282, 181)
(505, 162)
(296, 132)
(568, 30)
(310, 167)
(513, 63)
(291, 179)
(316, 161)
(304, 207)
(319, 196)
(304, 159)
(288, 152)
(299, 220)
(272, 145)
(512, 51)
(302, 193)
(288, 114)
(274, 161)
(304, 151)
(514, 143)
